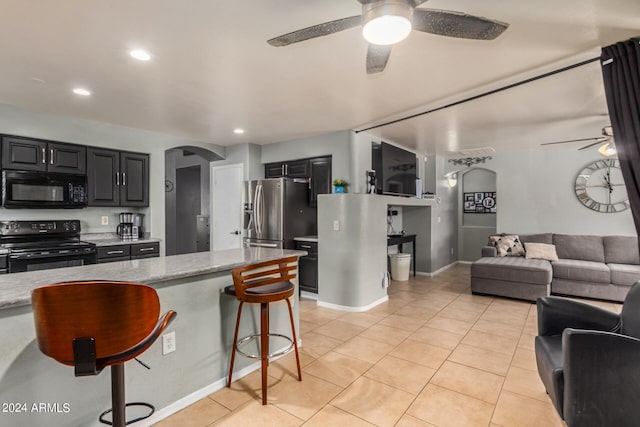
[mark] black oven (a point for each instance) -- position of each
(20, 261)
(26, 189)
(40, 245)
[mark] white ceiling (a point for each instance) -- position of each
(213, 70)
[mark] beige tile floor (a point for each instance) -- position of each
(433, 355)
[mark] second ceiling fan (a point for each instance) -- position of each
(607, 148)
(401, 16)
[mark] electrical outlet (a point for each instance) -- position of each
(336, 225)
(104, 220)
(168, 343)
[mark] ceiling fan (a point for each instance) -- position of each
(386, 22)
(607, 148)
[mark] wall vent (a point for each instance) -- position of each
(476, 152)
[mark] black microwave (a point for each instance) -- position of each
(45, 190)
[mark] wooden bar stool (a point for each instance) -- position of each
(263, 283)
(94, 324)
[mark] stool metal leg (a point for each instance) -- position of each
(264, 346)
(117, 395)
(235, 342)
(295, 339)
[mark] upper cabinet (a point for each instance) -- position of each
(317, 170)
(117, 178)
(36, 155)
(290, 169)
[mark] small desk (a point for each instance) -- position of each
(400, 239)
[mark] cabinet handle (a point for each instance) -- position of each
(281, 169)
(51, 156)
(305, 246)
(124, 179)
(44, 156)
(117, 178)
(310, 182)
(286, 169)
(114, 252)
(146, 249)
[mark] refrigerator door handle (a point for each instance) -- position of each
(259, 208)
(264, 245)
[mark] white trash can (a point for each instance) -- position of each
(400, 266)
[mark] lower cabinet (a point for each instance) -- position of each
(308, 267)
(127, 252)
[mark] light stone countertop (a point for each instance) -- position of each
(16, 287)
(112, 239)
(307, 239)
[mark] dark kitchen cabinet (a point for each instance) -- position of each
(308, 266)
(289, 169)
(117, 178)
(44, 156)
(126, 252)
(320, 178)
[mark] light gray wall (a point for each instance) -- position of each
(334, 144)
(536, 194)
(18, 121)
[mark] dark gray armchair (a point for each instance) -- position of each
(589, 360)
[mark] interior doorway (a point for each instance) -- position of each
(478, 210)
(227, 212)
(187, 199)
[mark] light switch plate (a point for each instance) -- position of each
(104, 220)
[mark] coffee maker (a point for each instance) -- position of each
(131, 225)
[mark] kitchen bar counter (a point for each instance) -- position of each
(190, 284)
(16, 288)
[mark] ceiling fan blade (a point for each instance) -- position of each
(319, 30)
(377, 57)
(573, 140)
(598, 142)
(457, 24)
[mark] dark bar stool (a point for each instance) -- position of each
(94, 324)
(263, 283)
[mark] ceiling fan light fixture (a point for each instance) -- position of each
(386, 22)
(608, 150)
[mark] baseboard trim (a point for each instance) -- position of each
(440, 270)
(197, 395)
(308, 295)
(353, 309)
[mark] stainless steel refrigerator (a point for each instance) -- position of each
(276, 211)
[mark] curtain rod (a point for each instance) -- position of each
(491, 92)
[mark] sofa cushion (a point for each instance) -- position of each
(624, 274)
(581, 271)
(621, 250)
(507, 244)
(584, 248)
(540, 251)
(513, 269)
(546, 238)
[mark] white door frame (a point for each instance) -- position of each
(214, 212)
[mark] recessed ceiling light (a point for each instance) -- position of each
(82, 91)
(140, 54)
(238, 131)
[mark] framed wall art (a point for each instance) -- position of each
(480, 202)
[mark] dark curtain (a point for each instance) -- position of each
(621, 73)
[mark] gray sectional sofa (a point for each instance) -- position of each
(602, 267)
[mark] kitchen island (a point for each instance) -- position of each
(190, 284)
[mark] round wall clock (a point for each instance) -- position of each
(600, 187)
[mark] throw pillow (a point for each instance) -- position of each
(507, 244)
(541, 251)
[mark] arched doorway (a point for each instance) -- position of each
(187, 199)
(478, 206)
